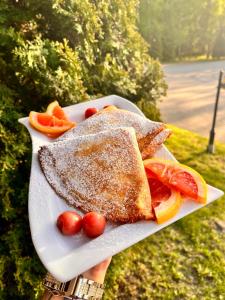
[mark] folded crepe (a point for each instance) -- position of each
(150, 135)
(100, 172)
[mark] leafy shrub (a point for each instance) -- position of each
(71, 51)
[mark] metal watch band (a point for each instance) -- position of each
(78, 288)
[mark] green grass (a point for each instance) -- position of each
(187, 259)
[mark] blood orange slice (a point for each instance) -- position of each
(179, 177)
(54, 109)
(49, 124)
(166, 202)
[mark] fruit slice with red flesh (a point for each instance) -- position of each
(53, 135)
(166, 202)
(179, 177)
(54, 109)
(46, 123)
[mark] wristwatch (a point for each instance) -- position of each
(78, 288)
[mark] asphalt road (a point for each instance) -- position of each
(191, 97)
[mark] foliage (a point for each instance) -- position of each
(71, 51)
(187, 259)
(49, 69)
(177, 28)
(19, 265)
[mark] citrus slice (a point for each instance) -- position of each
(54, 109)
(49, 124)
(179, 177)
(53, 135)
(166, 202)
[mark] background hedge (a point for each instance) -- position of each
(71, 51)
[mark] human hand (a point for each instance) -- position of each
(98, 272)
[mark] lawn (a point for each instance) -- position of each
(186, 260)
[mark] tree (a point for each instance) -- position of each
(219, 45)
(71, 51)
(177, 29)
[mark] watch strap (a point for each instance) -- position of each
(88, 289)
(78, 288)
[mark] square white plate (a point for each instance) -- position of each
(66, 257)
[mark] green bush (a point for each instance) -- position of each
(71, 51)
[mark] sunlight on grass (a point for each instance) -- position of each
(186, 260)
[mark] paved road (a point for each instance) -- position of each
(191, 97)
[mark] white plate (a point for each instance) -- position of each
(66, 257)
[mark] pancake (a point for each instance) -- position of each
(100, 172)
(147, 132)
(149, 148)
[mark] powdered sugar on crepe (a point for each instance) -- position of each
(109, 119)
(156, 143)
(101, 172)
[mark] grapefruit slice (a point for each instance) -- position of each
(179, 177)
(53, 135)
(54, 109)
(166, 202)
(49, 124)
